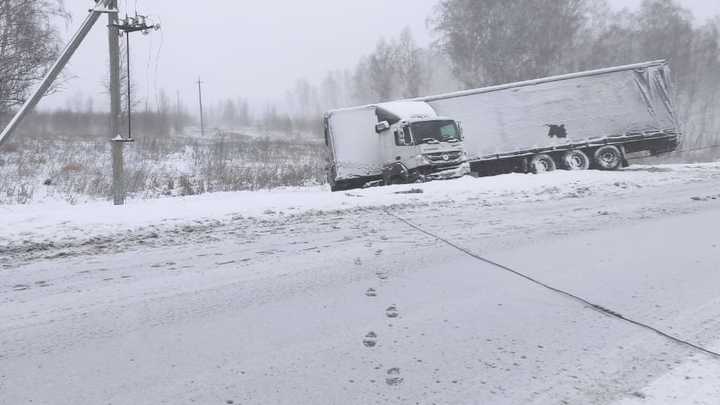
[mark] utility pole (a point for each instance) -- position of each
(177, 124)
(202, 114)
(117, 141)
(115, 27)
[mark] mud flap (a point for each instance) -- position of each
(396, 172)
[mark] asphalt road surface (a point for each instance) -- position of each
(356, 307)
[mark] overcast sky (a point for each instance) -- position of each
(251, 48)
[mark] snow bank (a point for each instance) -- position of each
(53, 220)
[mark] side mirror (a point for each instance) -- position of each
(382, 126)
(460, 130)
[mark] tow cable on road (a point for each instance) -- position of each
(588, 303)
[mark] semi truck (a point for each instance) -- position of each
(579, 121)
(391, 143)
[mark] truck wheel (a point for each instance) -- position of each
(608, 158)
(542, 163)
(575, 160)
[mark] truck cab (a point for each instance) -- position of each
(392, 143)
(419, 145)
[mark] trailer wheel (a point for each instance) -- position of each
(575, 160)
(542, 163)
(608, 157)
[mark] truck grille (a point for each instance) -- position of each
(442, 157)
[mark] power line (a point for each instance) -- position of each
(138, 23)
(596, 307)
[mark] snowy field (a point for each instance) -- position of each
(300, 295)
(77, 169)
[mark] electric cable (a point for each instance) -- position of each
(591, 305)
(158, 55)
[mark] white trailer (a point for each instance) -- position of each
(576, 121)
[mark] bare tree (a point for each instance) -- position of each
(361, 87)
(230, 113)
(244, 115)
(330, 92)
(303, 99)
(494, 41)
(29, 43)
(382, 67)
(667, 32)
(410, 70)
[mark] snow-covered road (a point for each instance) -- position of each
(306, 297)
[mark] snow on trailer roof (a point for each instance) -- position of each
(408, 109)
(533, 82)
(402, 108)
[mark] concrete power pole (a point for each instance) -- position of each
(115, 27)
(118, 143)
(202, 113)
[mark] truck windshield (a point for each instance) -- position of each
(435, 132)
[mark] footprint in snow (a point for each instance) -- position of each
(393, 377)
(370, 339)
(21, 287)
(381, 275)
(392, 312)
(371, 292)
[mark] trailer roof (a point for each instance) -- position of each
(533, 82)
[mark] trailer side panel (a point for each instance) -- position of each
(563, 111)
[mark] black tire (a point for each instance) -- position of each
(608, 158)
(542, 163)
(575, 160)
